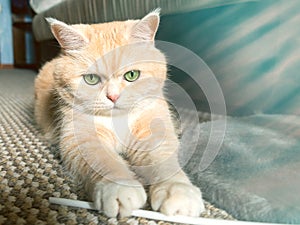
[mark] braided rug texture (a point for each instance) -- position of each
(31, 171)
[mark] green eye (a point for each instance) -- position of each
(132, 75)
(91, 79)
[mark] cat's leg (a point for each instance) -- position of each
(171, 191)
(106, 177)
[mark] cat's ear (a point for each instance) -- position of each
(67, 36)
(146, 28)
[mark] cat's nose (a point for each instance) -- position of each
(112, 97)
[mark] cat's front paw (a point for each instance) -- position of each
(175, 198)
(119, 198)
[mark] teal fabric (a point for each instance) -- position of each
(253, 48)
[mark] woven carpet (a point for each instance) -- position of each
(30, 168)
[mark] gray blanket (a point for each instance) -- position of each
(256, 173)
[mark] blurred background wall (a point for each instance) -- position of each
(6, 41)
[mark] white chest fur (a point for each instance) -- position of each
(119, 125)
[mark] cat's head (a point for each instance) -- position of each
(109, 66)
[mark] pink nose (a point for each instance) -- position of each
(112, 97)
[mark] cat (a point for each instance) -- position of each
(102, 100)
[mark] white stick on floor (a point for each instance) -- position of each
(158, 216)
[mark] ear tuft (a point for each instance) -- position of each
(67, 36)
(146, 28)
(51, 20)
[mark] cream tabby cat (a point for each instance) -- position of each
(102, 100)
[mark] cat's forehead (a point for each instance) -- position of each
(128, 57)
(110, 44)
(110, 35)
(111, 48)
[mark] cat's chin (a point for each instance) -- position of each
(107, 111)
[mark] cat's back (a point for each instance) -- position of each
(44, 98)
(45, 79)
